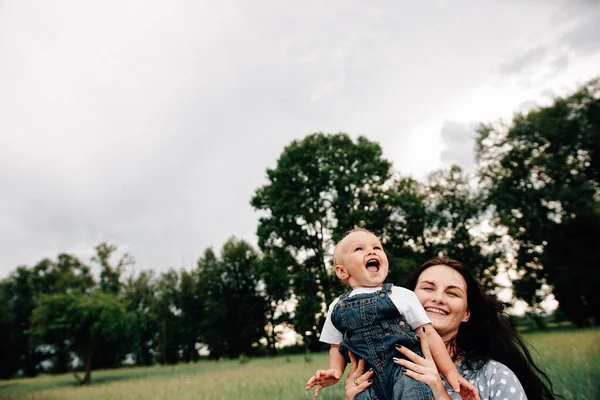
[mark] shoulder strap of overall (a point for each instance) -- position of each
(387, 287)
(342, 297)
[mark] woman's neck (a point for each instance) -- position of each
(451, 347)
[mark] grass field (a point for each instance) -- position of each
(570, 357)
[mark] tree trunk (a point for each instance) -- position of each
(270, 336)
(61, 365)
(195, 355)
(272, 350)
(146, 356)
(30, 369)
(88, 373)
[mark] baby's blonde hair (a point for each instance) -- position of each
(335, 249)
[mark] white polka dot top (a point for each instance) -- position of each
(494, 381)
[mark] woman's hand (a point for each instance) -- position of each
(423, 369)
(357, 380)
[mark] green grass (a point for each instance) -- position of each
(570, 357)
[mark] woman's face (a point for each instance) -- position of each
(443, 293)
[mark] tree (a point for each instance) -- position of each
(168, 314)
(403, 236)
(22, 291)
(110, 275)
(541, 173)
(65, 275)
(87, 319)
(9, 336)
(273, 269)
(19, 291)
(51, 325)
(209, 282)
(234, 308)
(576, 245)
(110, 356)
(141, 303)
(437, 217)
(454, 215)
(322, 186)
(192, 313)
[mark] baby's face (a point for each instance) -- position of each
(363, 258)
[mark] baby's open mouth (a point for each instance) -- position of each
(373, 265)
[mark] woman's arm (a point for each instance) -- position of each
(445, 364)
(439, 353)
(423, 369)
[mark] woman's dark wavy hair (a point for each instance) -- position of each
(488, 334)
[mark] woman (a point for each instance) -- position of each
(487, 351)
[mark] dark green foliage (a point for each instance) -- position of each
(141, 304)
(192, 314)
(274, 271)
(541, 174)
(168, 314)
(67, 275)
(234, 308)
(436, 218)
(9, 336)
(454, 209)
(110, 275)
(88, 322)
(22, 291)
(28, 289)
(22, 300)
(574, 249)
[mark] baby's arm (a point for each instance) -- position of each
(331, 376)
(444, 363)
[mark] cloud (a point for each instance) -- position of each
(527, 106)
(459, 140)
(575, 33)
(583, 36)
(150, 125)
(525, 60)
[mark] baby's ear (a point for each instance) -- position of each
(341, 272)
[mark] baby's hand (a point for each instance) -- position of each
(323, 378)
(466, 390)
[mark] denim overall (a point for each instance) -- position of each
(372, 325)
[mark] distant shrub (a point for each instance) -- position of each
(308, 356)
(293, 349)
(243, 359)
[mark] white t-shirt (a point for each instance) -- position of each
(405, 301)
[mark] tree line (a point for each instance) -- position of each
(531, 209)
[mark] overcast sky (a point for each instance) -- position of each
(149, 124)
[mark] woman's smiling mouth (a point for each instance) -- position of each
(436, 311)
